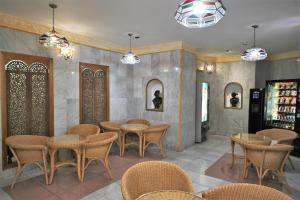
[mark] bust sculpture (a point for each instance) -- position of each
(157, 101)
(234, 100)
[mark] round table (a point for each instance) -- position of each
(133, 128)
(73, 142)
(169, 195)
(241, 138)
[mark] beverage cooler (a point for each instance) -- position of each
(283, 107)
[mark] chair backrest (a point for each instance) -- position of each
(282, 136)
(108, 126)
(153, 176)
(244, 191)
(269, 157)
(84, 130)
(138, 121)
(159, 130)
(27, 148)
(99, 145)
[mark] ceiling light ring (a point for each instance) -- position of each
(254, 53)
(130, 58)
(53, 38)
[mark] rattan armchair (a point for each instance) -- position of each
(138, 121)
(244, 191)
(27, 150)
(266, 158)
(153, 176)
(109, 126)
(84, 130)
(282, 136)
(155, 135)
(98, 148)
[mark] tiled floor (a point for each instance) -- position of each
(194, 160)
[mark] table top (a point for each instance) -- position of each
(251, 138)
(134, 127)
(66, 141)
(169, 195)
(110, 125)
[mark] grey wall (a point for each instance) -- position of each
(189, 65)
(165, 67)
(228, 121)
(274, 70)
(127, 85)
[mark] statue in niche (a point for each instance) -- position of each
(157, 101)
(234, 100)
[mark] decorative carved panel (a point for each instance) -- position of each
(39, 99)
(87, 95)
(17, 93)
(94, 103)
(26, 98)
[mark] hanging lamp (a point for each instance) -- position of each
(199, 13)
(52, 38)
(254, 53)
(130, 58)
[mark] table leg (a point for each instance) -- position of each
(232, 152)
(78, 160)
(141, 145)
(123, 143)
(52, 164)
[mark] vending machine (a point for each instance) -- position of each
(256, 110)
(283, 107)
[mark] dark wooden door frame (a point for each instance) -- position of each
(29, 59)
(94, 68)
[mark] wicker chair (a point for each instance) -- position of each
(138, 121)
(244, 191)
(155, 135)
(27, 150)
(109, 126)
(84, 130)
(98, 148)
(282, 136)
(266, 158)
(153, 176)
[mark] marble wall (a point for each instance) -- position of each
(228, 121)
(276, 70)
(66, 78)
(165, 67)
(189, 65)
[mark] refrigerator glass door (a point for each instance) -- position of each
(204, 102)
(281, 104)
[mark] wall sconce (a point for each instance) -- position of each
(207, 67)
(201, 66)
(210, 68)
(66, 52)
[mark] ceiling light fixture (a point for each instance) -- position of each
(130, 58)
(254, 53)
(52, 38)
(199, 13)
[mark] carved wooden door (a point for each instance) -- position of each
(26, 97)
(94, 93)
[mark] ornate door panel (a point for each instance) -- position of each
(94, 93)
(26, 97)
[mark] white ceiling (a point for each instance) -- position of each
(279, 22)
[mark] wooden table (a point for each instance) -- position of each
(73, 142)
(132, 128)
(241, 138)
(169, 195)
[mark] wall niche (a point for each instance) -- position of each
(233, 96)
(155, 95)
